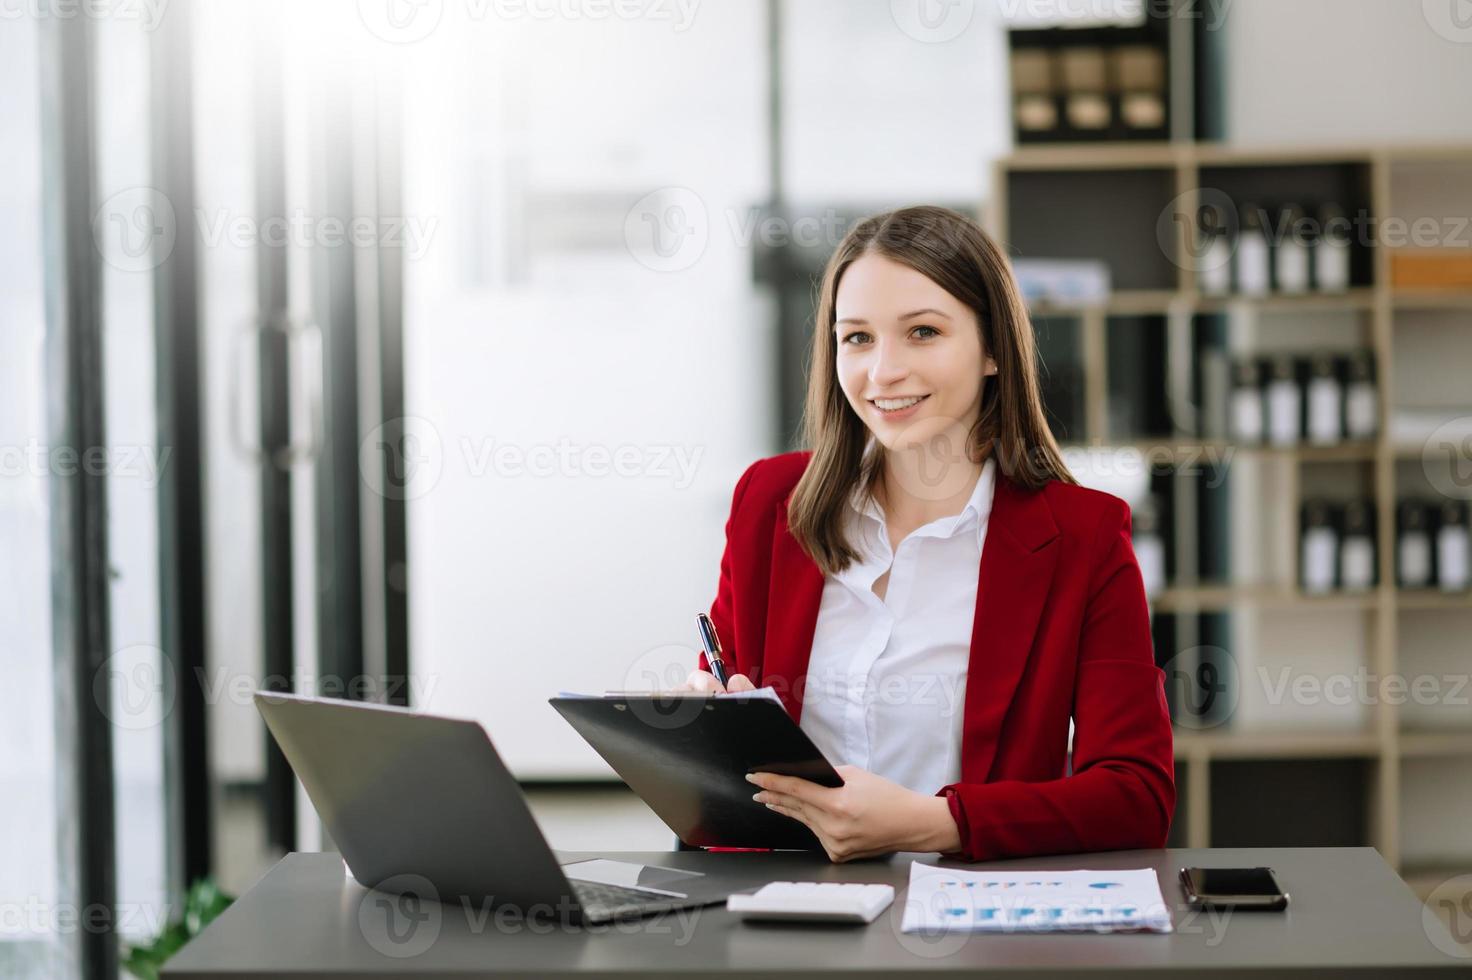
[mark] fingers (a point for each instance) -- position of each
(702, 681)
(801, 789)
(836, 853)
(739, 682)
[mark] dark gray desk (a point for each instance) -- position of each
(1349, 913)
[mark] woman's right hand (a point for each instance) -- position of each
(704, 682)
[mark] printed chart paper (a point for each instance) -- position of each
(945, 899)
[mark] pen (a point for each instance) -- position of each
(712, 644)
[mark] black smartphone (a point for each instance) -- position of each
(1233, 888)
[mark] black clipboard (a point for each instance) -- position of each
(687, 756)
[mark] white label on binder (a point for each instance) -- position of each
(1451, 558)
(1415, 560)
(1318, 559)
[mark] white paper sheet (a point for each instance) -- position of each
(945, 899)
(758, 694)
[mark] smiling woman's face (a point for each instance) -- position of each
(901, 337)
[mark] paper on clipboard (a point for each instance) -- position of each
(759, 694)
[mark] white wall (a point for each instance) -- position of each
(1341, 72)
(534, 325)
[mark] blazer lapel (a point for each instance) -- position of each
(794, 593)
(1013, 579)
(1017, 563)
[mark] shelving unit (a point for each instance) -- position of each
(1111, 202)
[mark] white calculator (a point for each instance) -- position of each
(814, 901)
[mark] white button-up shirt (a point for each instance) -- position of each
(886, 680)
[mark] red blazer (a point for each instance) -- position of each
(1061, 629)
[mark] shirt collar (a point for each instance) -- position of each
(978, 506)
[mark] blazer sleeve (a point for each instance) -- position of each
(1121, 793)
(722, 610)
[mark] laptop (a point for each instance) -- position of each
(410, 796)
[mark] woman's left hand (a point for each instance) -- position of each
(867, 815)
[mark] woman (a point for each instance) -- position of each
(928, 590)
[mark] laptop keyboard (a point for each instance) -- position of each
(615, 901)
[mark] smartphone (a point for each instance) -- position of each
(1233, 888)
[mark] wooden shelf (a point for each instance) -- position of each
(1210, 450)
(1096, 156)
(1221, 598)
(1106, 155)
(1172, 176)
(1359, 298)
(1432, 599)
(1163, 302)
(1225, 598)
(1429, 742)
(1431, 299)
(1276, 744)
(1120, 302)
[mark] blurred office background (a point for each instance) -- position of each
(410, 352)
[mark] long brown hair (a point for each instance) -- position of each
(953, 251)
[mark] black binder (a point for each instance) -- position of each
(687, 756)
